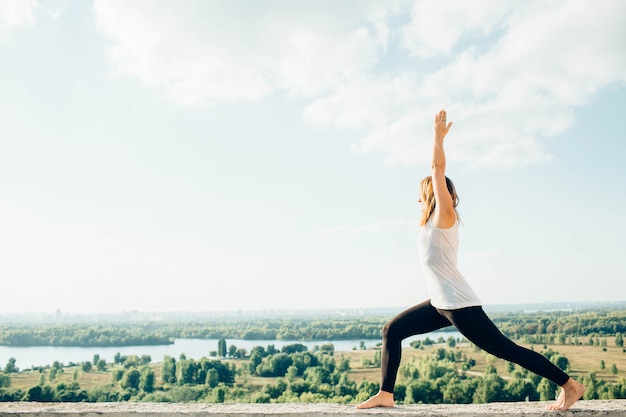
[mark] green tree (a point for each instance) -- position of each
(70, 393)
(275, 390)
(232, 351)
(261, 398)
(168, 370)
(225, 372)
(117, 374)
(423, 391)
(346, 387)
(10, 367)
(85, 366)
(619, 340)
(131, 361)
(344, 364)
(416, 344)
(304, 360)
(458, 391)
(254, 361)
(220, 394)
(327, 349)
(212, 378)
(469, 364)
(592, 385)
(546, 389)
(186, 371)
(292, 373)
(294, 348)
(40, 393)
(221, 347)
(376, 361)
(490, 369)
(101, 365)
(561, 361)
(510, 367)
(519, 389)
(275, 365)
(317, 375)
(614, 369)
(146, 381)
(451, 341)
(490, 389)
(5, 380)
(131, 379)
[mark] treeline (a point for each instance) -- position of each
(295, 374)
(164, 333)
(280, 329)
(81, 335)
(531, 327)
(572, 324)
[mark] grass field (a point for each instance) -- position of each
(583, 360)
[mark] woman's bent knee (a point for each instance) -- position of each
(388, 331)
(393, 331)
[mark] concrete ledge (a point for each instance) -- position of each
(612, 408)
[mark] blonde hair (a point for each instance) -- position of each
(428, 197)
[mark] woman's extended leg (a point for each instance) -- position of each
(422, 318)
(474, 324)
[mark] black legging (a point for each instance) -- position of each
(474, 324)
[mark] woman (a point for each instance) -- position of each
(452, 300)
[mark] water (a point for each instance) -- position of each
(27, 357)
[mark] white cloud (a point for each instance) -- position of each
(15, 14)
(505, 95)
(510, 73)
(437, 27)
(199, 51)
(378, 227)
(358, 102)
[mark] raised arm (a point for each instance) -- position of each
(444, 216)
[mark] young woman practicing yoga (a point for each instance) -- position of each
(452, 301)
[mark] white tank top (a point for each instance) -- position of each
(438, 250)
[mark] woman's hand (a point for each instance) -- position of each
(440, 127)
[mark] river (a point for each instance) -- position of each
(27, 357)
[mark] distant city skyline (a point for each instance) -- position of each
(137, 316)
(216, 156)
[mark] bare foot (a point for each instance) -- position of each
(382, 399)
(571, 392)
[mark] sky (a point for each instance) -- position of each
(224, 155)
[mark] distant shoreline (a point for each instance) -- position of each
(194, 316)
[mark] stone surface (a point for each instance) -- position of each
(612, 408)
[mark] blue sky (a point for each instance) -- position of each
(231, 155)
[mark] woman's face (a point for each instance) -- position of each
(422, 196)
